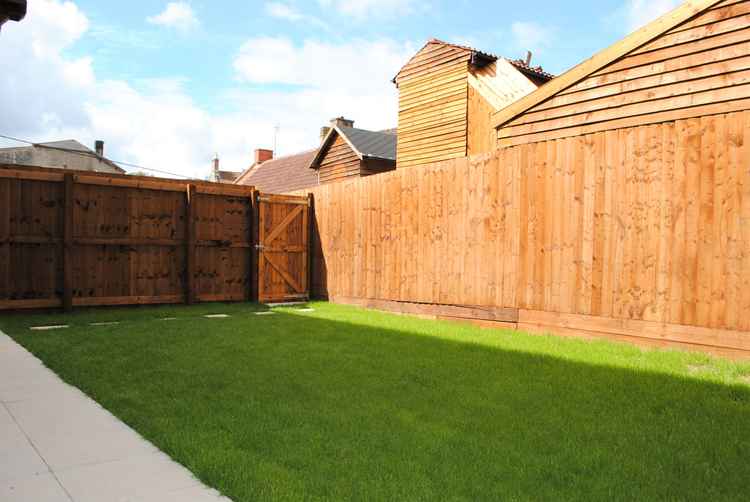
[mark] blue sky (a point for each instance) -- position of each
(168, 84)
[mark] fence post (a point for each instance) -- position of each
(67, 299)
(309, 243)
(255, 279)
(190, 245)
(252, 272)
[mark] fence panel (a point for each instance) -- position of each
(604, 232)
(83, 239)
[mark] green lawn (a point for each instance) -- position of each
(347, 404)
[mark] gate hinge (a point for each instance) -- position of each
(259, 247)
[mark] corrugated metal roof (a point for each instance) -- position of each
(482, 58)
(373, 144)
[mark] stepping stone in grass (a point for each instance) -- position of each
(111, 323)
(47, 328)
(216, 316)
(168, 319)
(267, 312)
(306, 310)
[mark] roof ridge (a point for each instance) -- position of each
(288, 155)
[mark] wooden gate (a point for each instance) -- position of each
(283, 248)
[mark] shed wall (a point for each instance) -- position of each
(433, 106)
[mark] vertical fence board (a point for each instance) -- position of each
(68, 242)
(646, 224)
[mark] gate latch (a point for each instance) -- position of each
(259, 247)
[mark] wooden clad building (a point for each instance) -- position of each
(349, 152)
(447, 95)
(692, 62)
(646, 144)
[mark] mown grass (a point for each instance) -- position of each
(348, 404)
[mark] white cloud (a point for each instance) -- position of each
(315, 69)
(44, 87)
(289, 13)
(363, 9)
(638, 13)
(283, 11)
(365, 64)
(531, 36)
(155, 122)
(177, 15)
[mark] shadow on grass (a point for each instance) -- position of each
(290, 407)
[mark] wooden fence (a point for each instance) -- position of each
(641, 231)
(77, 239)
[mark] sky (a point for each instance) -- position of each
(169, 84)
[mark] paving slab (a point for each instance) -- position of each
(41, 488)
(18, 459)
(57, 444)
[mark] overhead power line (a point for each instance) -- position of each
(92, 154)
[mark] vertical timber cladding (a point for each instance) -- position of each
(283, 248)
(84, 239)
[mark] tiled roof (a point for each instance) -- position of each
(281, 175)
(68, 145)
(373, 144)
(536, 71)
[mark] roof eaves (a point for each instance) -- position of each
(376, 156)
(602, 58)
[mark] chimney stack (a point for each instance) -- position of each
(99, 147)
(262, 155)
(528, 58)
(342, 122)
(215, 168)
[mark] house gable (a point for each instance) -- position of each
(691, 62)
(348, 152)
(336, 159)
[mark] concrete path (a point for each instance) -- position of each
(58, 445)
